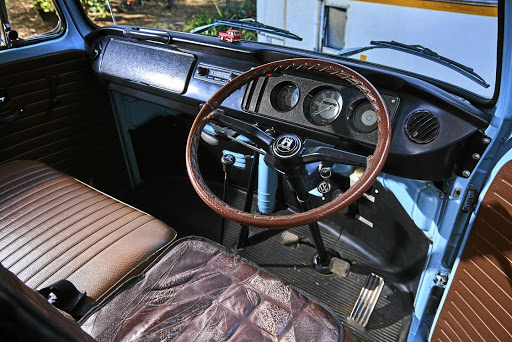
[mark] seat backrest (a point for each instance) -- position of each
(25, 315)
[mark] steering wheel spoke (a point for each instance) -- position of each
(316, 151)
(255, 134)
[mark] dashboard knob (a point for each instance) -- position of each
(202, 71)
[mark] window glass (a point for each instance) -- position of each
(459, 38)
(31, 18)
(334, 36)
(175, 15)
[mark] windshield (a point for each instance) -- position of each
(460, 31)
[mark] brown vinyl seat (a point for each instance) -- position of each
(194, 291)
(55, 227)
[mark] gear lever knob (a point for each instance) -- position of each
(227, 161)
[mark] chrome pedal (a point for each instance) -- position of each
(367, 299)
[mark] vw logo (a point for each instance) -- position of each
(324, 187)
(287, 146)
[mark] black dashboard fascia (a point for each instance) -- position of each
(435, 161)
(260, 103)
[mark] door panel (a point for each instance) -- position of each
(478, 305)
(66, 120)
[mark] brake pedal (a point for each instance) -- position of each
(339, 267)
(367, 299)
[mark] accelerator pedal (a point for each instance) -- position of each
(367, 299)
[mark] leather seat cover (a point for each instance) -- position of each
(54, 227)
(198, 292)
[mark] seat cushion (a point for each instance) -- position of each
(197, 291)
(54, 227)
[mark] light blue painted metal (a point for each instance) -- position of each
(267, 186)
(420, 199)
(209, 129)
(239, 158)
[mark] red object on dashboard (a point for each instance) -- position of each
(230, 36)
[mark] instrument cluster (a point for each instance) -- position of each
(335, 108)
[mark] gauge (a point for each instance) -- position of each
(322, 106)
(285, 96)
(362, 117)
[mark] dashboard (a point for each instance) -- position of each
(436, 134)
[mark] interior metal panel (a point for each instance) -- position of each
(478, 305)
(155, 66)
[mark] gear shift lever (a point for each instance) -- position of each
(227, 161)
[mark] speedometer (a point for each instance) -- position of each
(323, 106)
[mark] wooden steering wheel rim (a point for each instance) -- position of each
(375, 162)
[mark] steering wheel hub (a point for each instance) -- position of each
(287, 146)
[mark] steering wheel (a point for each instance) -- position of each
(288, 153)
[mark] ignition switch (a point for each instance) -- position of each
(325, 185)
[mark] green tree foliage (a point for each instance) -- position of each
(44, 5)
(233, 10)
(95, 8)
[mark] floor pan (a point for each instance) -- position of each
(393, 309)
(388, 322)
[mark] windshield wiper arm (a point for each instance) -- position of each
(423, 52)
(247, 24)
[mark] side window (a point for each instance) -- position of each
(32, 20)
(335, 19)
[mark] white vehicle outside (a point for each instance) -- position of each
(464, 31)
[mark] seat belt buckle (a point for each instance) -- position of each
(64, 296)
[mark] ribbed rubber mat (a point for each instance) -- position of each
(478, 305)
(391, 313)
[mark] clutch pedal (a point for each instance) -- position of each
(367, 299)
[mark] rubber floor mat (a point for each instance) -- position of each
(174, 202)
(391, 317)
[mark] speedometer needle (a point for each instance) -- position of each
(323, 110)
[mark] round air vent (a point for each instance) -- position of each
(422, 127)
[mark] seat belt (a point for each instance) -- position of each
(66, 297)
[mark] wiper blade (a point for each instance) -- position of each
(423, 52)
(247, 24)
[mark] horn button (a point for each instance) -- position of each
(287, 146)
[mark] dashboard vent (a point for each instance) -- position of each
(422, 127)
